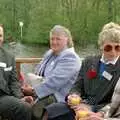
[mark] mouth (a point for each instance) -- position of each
(54, 46)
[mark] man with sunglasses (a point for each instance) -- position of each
(96, 81)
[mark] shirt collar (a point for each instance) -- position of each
(109, 62)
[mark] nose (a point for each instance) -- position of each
(113, 53)
(53, 41)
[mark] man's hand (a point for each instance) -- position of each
(93, 116)
(28, 99)
(27, 90)
(75, 102)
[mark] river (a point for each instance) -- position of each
(31, 50)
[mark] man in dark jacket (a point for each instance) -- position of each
(12, 105)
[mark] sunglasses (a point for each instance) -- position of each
(109, 48)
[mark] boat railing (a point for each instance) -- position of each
(20, 61)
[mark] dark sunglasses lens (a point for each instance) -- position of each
(108, 48)
(117, 48)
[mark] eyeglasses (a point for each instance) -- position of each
(108, 48)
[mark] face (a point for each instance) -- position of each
(111, 50)
(58, 43)
(1, 36)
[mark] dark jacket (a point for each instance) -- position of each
(9, 84)
(97, 89)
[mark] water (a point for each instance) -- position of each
(25, 50)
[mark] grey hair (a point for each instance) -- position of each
(61, 30)
(110, 32)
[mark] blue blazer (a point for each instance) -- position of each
(62, 75)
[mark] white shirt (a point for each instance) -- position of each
(108, 62)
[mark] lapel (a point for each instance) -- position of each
(43, 64)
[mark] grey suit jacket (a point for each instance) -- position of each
(62, 75)
(9, 84)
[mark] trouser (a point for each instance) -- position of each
(13, 108)
(38, 107)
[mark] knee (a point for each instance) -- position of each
(25, 107)
(23, 110)
(15, 108)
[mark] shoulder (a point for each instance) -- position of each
(48, 53)
(70, 52)
(7, 54)
(70, 56)
(90, 59)
(66, 52)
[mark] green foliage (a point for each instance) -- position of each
(84, 18)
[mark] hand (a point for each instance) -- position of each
(27, 89)
(93, 116)
(28, 99)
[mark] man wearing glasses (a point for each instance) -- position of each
(96, 81)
